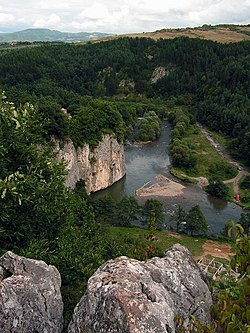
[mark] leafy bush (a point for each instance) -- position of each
(217, 188)
(223, 171)
(149, 127)
(245, 183)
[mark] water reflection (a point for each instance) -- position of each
(218, 204)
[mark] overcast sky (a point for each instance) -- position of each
(119, 16)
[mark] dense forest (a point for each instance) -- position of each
(211, 78)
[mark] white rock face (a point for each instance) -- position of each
(99, 167)
(158, 73)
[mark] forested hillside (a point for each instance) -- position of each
(211, 78)
(47, 35)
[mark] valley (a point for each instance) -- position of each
(68, 110)
(146, 164)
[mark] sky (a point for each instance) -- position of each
(119, 16)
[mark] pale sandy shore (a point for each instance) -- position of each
(163, 187)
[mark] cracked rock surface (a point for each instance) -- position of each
(30, 298)
(129, 296)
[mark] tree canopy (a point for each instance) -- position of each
(211, 78)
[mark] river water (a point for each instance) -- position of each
(144, 162)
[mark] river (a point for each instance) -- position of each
(144, 162)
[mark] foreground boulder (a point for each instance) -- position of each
(128, 296)
(30, 298)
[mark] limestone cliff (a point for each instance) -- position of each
(30, 298)
(99, 167)
(128, 296)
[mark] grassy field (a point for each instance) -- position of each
(221, 139)
(206, 156)
(222, 34)
(225, 143)
(162, 240)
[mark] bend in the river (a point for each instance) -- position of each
(146, 161)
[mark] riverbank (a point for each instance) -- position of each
(145, 162)
(217, 153)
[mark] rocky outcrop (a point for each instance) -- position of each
(158, 73)
(99, 167)
(30, 298)
(128, 296)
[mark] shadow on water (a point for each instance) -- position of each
(145, 161)
(218, 204)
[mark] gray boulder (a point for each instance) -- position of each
(128, 296)
(30, 298)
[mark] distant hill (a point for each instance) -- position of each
(47, 35)
(223, 33)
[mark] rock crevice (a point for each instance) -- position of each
(30, 298)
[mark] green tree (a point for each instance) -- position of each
(217, 188)
(128, 210)
(104, 209)
(245, 222)
(149, 127)
(179, 217)
(232, 311)
(153, 214)
(196, 222)
(245, 183)
(32, 193)
(54, 120)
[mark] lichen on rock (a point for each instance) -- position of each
(158, 73)
(129, 296)
(30, 298)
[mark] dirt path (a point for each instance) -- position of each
(236, 180)
(217, 250)
(243, 172)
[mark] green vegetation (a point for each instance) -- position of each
(211, 79)
(195, 221)
(92, 120)
(153, 214)
(217, 188)
(42, 219)
(231, 309)
(149, 127)
(245, 191)
(162, 240)
(194, 156)
(223, 140)
(245, 183)
(192, 222)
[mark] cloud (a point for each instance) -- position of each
(95, 12)
(99, 16)
(53, 21)
(121, 16)
(54, 5)
(6, 18)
